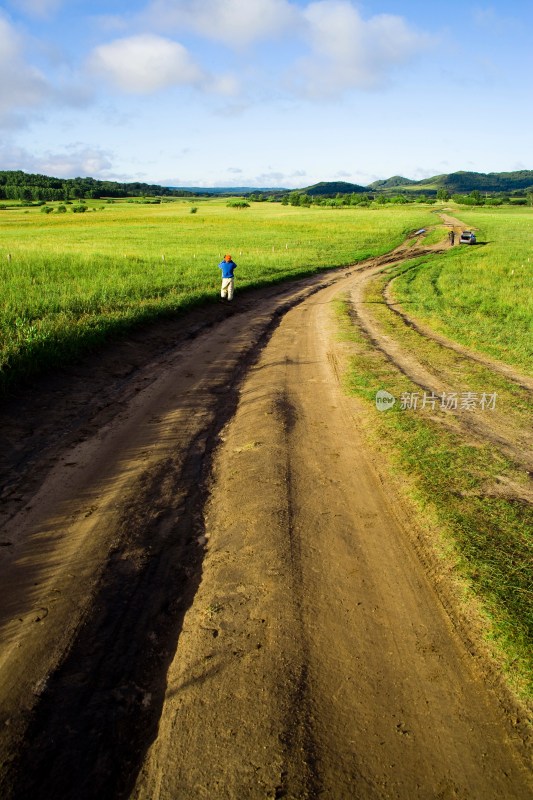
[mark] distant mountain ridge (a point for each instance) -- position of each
(455, 183)
(461, 182)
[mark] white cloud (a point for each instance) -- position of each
(38, 8)
(25, 90)
(21, 85)
(345, 51)
(76, 160)
(351, 52)
(237, 23)
(146, 63)
(227, 85)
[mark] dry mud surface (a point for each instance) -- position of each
(209, 590)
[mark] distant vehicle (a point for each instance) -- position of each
(467, 237)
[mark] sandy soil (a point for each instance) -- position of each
(208, 589)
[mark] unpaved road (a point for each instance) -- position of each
(209, 590)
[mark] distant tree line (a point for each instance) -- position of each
(33, 188)
(353, 199)
(478, 198)
(474, 198)
(26, 187)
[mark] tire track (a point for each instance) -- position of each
(503, 369)
(300, 776)
(514, 441)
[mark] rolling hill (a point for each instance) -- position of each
(461, 182)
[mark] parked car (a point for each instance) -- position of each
(467, 237)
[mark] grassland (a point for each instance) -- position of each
(70, 281)
(480, 296)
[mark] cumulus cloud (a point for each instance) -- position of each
(146, 63)
(234, 22)
(344, 50)
(75, 160)
(351, 52)
(337, 50)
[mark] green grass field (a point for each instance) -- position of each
(481, 296)
(70, 281)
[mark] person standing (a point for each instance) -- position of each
(452, 237)
(227, 266)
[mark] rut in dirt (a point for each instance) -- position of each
(99, 711)
(300, 774)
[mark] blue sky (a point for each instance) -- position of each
(265, 92)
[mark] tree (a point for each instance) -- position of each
(238, 204)
(443, 194)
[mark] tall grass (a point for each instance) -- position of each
(481, 296)
(69, 281)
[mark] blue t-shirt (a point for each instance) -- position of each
(227, 268)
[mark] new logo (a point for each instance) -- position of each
(384, 400)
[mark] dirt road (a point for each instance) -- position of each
(208, 590)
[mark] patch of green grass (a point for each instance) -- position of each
(70, 281)
(481, 296)
(450, 480)
(463, 374)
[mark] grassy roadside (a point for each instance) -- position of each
(441, 362)
(71, 281)
(485, 540)
(481, 296)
